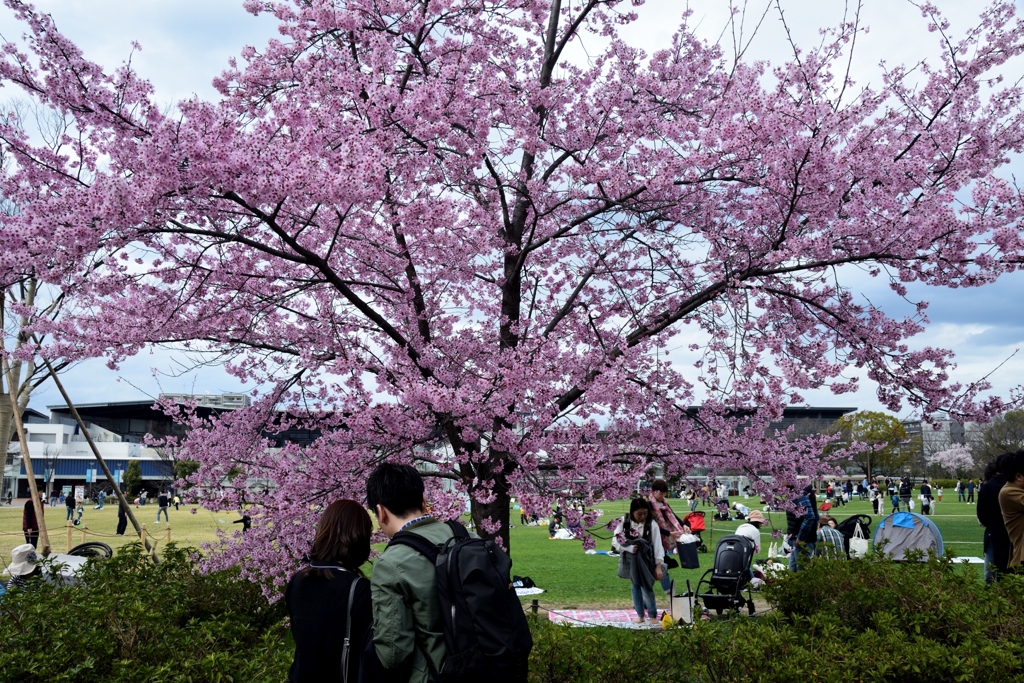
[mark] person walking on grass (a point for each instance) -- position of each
(971, 485)
(906, 492)
(802, 528)
(29, 522)
(122, 518)
(69, 503)
(163, 501)
(926, 498)
(961, 492)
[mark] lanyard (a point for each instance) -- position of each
(414, 521)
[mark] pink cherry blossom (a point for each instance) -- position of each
(428, 237)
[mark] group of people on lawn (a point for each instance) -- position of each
(330, 605)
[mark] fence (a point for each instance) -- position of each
(73, 535)
(86, 532)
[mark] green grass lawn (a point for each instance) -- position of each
(570, 577)
(186, 528)
(574, 579)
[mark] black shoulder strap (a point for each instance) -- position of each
(422, 545)
(457, 529)
(417, 543)
(346, 646)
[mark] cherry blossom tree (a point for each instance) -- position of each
(429, 235)
(955, 460)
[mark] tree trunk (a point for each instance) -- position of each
(497, 511)
(494, 470)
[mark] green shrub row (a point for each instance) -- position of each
(130, 620)
(861, 620)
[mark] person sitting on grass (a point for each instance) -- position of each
(752, 529)
(831, 543)
(23, 565)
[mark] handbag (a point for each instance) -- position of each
(624, 564)
(858, 544)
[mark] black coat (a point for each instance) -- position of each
(991, 517)
(317, 608)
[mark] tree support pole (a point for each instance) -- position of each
(26, 458)
(103, 465)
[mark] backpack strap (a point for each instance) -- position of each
(417, 543)
(346, 646)
(422, 545)
(458, 530)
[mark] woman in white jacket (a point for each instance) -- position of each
(632, 531)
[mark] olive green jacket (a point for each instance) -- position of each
(406, 613)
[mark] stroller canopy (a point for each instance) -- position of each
(907, 531)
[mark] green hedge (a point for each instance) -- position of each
(860, 620)
(130, 621)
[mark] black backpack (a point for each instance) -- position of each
(485, 631)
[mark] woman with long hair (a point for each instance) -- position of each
(638, 540)
(330, 599)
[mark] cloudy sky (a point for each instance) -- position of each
(186, 43)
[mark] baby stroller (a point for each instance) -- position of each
(722, 510)
(695, 520)
(730, 575)
(848, 527)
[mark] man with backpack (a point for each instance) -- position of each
(443, 604)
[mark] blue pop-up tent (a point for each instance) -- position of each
(905, 531)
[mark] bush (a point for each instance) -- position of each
(861, 620)
(131, 620)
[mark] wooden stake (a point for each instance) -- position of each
(168, 533)
(69, 534)
(26, 459)
(103, 465)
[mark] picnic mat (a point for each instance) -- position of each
(619, 618)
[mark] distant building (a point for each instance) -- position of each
(933, 438)
(62, 457)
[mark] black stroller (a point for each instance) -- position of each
(848, 527)
(730, 575)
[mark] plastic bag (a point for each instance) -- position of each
(858, 544)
